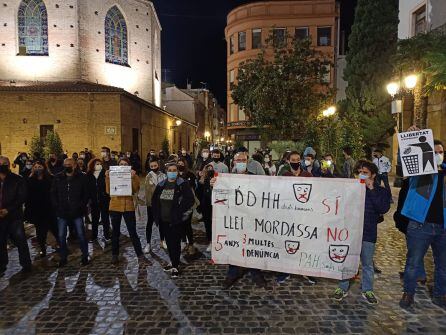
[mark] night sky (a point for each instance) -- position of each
(193, 40)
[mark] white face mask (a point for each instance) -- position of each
(98, 168)
(103, 154)
(266, 159)
(184, 152)
(205, 155)
(307, 163)
(439, 159)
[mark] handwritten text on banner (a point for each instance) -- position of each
(308, 226)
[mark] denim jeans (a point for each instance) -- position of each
(418, 238)
(367, 253)
(78, 224)
(130, 222)
(15, 231)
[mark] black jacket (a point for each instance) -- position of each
(69, 195)
(96, 189)
(401, 222)
(13, 196)
(38, 201)
(183, 200)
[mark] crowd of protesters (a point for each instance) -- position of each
(62, 194)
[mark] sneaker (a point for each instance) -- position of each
(407, 300)
(340, 294)
(168, 268)
(282, 277)
(147, 249)
(62, 263)
(310, 280)
(174, 273)
(85, 261)
(209, 248)
(370, 297)
(439, 301)
(115, 259)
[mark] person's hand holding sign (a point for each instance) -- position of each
(213, 180)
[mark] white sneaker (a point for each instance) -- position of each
(209, 248)
(163, 245)
(147, 249)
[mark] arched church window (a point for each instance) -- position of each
(116, 44)
(33, 28)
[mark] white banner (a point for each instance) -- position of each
(307, 226)
(120, 180)
(417, 153)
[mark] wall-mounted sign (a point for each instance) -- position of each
(110, 130)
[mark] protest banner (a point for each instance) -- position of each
(417, 152)
(307, 226)
(120, 180)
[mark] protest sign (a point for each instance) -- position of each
(417, 153)
(120, 180)
(307, 226)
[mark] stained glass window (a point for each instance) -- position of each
(33, 28)
(116, 49)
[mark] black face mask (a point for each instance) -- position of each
(181, 168)
(52, 160)
(4, 169)
(216, 160)
(295, 166)
(155, 170)
(39, 172)
(68, 169)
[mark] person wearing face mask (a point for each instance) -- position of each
(234, 273)
(200, 163)
(153, 178)
(81, 165)
(384, 168)
(38, 208)
(75, 156)
(309, 165)
(54, 165)
(328, 167)
(183, 154)
(151, 156)
(377, 203)
(217, 163)
(206, 202)
(124, 207)
(172, 204)
(69, 195)
(188, 236)
(162, 156)
(294, 167)
(20, 162)
(12, 197)
(424, 207)
(99, 199)
(270, 168)
(107, 159)
(27, 169)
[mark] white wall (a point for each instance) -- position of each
(80, 54)
(407, 8)
(179, 103)
(63, 62)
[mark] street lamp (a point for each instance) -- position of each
(411, 81)
(178, 123)
(329, 111)
(393, 88)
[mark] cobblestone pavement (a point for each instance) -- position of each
(133, 299)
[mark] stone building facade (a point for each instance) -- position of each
(86, 115)
(88, 69)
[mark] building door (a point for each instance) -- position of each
(135, 139)
(44, 130)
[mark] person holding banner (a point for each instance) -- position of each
(234, 273)
(377, 203)
(172, 204)
(425, 208)
(124, 207)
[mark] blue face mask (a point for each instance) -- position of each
(172, 175)
(240, 167)
(363, 177)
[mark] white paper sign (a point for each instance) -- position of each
(417, 153)
(121, 180)
(307, 226)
